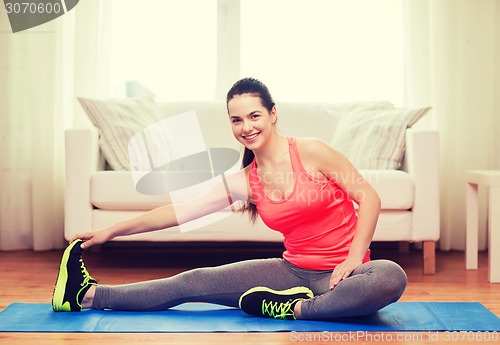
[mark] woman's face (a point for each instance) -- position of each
(251, 122)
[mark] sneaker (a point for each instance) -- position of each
(265, 302)
(73, 280)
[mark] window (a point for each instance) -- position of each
(325, 50)
(304, 50)
(165, 46)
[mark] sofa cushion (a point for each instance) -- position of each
(395, 188)
(375, 138)
(118, 120)
(115, 190)
(394, 225)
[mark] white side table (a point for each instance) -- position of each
(490, 179)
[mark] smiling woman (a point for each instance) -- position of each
(327, 242)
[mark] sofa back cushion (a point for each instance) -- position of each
(118, 120)
(374, 138)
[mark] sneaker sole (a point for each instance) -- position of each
(62, 278)
(288, 292)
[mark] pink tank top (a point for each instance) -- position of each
(317, 219)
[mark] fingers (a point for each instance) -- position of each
(86, 238)
(334, 281)
(87, 244)
(338, 275)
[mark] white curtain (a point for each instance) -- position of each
(453, 64)
(41, 69)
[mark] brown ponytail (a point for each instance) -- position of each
(248, 157)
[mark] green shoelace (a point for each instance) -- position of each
(279, 310)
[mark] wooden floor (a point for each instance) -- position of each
(27, 276)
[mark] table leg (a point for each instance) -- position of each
(494, 234)
(472, 223)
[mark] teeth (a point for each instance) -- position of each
(251, 136)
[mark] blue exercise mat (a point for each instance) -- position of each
(199, 317)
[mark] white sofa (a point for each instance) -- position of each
(96, 197)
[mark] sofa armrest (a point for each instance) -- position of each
(422, 163)
(83, 158)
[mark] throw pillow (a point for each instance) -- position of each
(117, 121)
(375, 138)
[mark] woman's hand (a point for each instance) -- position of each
(95, 237)
(343, 270)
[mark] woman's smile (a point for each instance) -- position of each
(251, 137)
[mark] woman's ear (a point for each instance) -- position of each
(274, 114)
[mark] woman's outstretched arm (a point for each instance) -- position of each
(234, 188)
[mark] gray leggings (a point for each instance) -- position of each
(371, 286)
